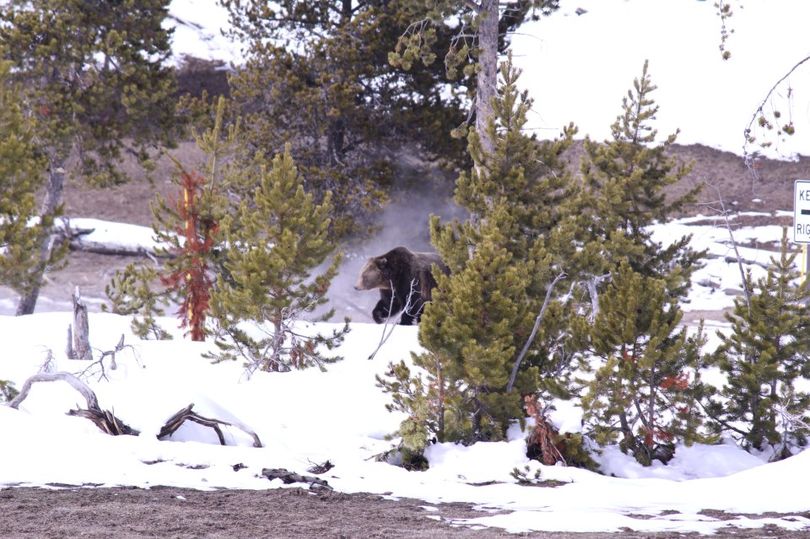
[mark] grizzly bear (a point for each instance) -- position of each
(404, 280)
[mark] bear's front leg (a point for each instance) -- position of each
(380, 312)
(388, 306)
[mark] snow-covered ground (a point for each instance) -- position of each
(577, 68)
(293, 413)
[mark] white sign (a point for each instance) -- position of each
(801, 211)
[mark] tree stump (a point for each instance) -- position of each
(79, 332)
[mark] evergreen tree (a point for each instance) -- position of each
(625, 179)
(763, 357)
(187, 230)
(640, 393)
(21, 175)
(501, 271)
(92, 75)
(479, 30)
(345, 110)
(274, 240)
(639, 389)
(132, 292)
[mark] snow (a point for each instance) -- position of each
(577, 68)
(119, 235)
(199, 31)
(716, 284)
(307, 417)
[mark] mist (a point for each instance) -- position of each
(420, 190)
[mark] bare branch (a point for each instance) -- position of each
(593, 292)
(761, 107)
(533, 334)
(724, 213)
(119, 347)
(75, 383)
(386, 333)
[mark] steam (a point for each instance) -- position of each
(421, 192)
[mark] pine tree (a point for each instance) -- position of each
(187, 230)
(346, 111)
(644, 361)
(501, 270)
(21, 175)
(763, 357)
(275, 239)
(640, 392)
(625, 180)
(132, 292)
(479, 31)
(92, 74)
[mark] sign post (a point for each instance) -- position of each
(801, 219)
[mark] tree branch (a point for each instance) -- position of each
(75, 383)
(761, 106)
(533, 334)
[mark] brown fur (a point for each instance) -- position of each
(400, 275)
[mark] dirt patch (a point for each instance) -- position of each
(287, 513)
(765, 187)
(171, 512)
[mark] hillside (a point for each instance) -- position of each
(767, 187)
(724, 174)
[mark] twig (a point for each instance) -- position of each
(533, 334)
(724, 214)
(384, 337)
(761, 106)
(409, 302)
(113, 365)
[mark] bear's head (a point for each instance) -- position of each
(375, 274)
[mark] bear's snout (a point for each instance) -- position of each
(360, 285)
(370, 277)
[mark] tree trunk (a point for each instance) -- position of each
(52, 201)
(487, 76)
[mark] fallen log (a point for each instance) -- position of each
(289, 478)
(75, 383)
(187, 414)
(78, 241)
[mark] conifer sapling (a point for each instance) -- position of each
(275, 240)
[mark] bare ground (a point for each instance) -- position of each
(171, 512)
(283, 513)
